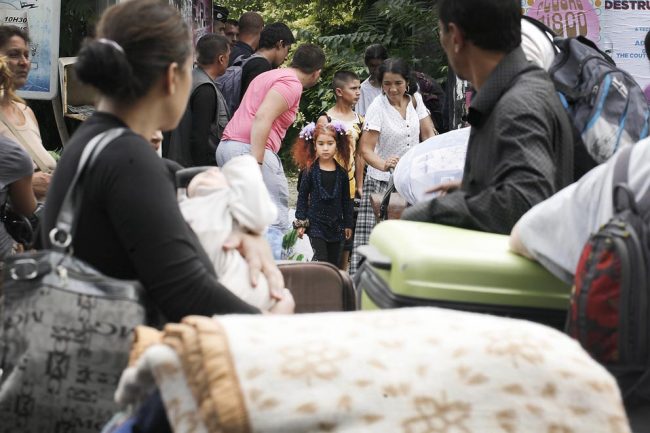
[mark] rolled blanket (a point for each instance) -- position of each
(411, 370)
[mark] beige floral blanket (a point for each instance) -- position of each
(421, 370)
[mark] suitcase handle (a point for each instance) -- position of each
(375, 258)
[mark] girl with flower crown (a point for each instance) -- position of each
(324, 208)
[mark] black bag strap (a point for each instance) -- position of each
(620, 180)
(622, 166)
(63, 231)
(385, 201)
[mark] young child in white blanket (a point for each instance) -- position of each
(224, 200)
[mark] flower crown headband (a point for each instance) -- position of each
(307, 133)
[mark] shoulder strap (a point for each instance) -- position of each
(61, 235)
(621, 170)
(238, 61)
(413, 101)
(251, 57)
(40, 163)
(622, 166)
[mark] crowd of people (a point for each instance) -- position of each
(231, 106)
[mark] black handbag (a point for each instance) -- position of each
(22, 229)
(67, 328)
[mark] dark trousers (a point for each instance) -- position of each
(325, 251)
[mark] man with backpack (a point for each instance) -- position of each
(275, 42)
(596, 233)
(195, 140)
(521, 147)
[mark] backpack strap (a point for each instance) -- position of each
(622, 165)
(621, 170)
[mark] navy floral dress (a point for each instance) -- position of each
(327, 207)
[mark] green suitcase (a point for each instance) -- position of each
(411, 264)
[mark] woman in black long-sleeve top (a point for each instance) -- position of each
(129, 225)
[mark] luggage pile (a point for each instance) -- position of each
(436, 265)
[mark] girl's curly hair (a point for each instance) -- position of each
(304, 149)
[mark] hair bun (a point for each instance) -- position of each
(106, 68)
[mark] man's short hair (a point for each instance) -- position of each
(308, 58)
(232, 22)
(493, 25)
(211, 46)
(341, 78)
(274, 33)
(375, 52)
(251, 23)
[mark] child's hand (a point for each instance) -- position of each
(348, 233)
(301, 231)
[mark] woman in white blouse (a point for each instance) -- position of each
(395, 122)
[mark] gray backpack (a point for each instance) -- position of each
(606, 105)
(230, 82)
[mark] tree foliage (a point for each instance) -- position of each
(344, 28)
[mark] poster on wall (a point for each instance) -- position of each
(41, 19)
(568, 18)
(617, 26)
(185, 8)
(626, 24)
(197, 14)
(202, 17)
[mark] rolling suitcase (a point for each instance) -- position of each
(410, 264)
(318, 287)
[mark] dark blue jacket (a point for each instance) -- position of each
(329, 213)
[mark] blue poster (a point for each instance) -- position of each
(41, 19)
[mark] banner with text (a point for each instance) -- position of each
(40, 18)
(625, 26)
(617, 26)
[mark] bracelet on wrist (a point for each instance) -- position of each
(301, 224)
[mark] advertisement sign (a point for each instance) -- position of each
(41, 19)
(202, 17)
(618, 27)
(197, 14)
(568, 18)
(625, 26)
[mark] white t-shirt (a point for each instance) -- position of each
(368, 94)
(556, 230)
(396, 135)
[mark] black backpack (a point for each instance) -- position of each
(610, 304)
(230, 82)
(607, 107)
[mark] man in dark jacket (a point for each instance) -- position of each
(521, 144)
(250, 29)
(195, 140)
